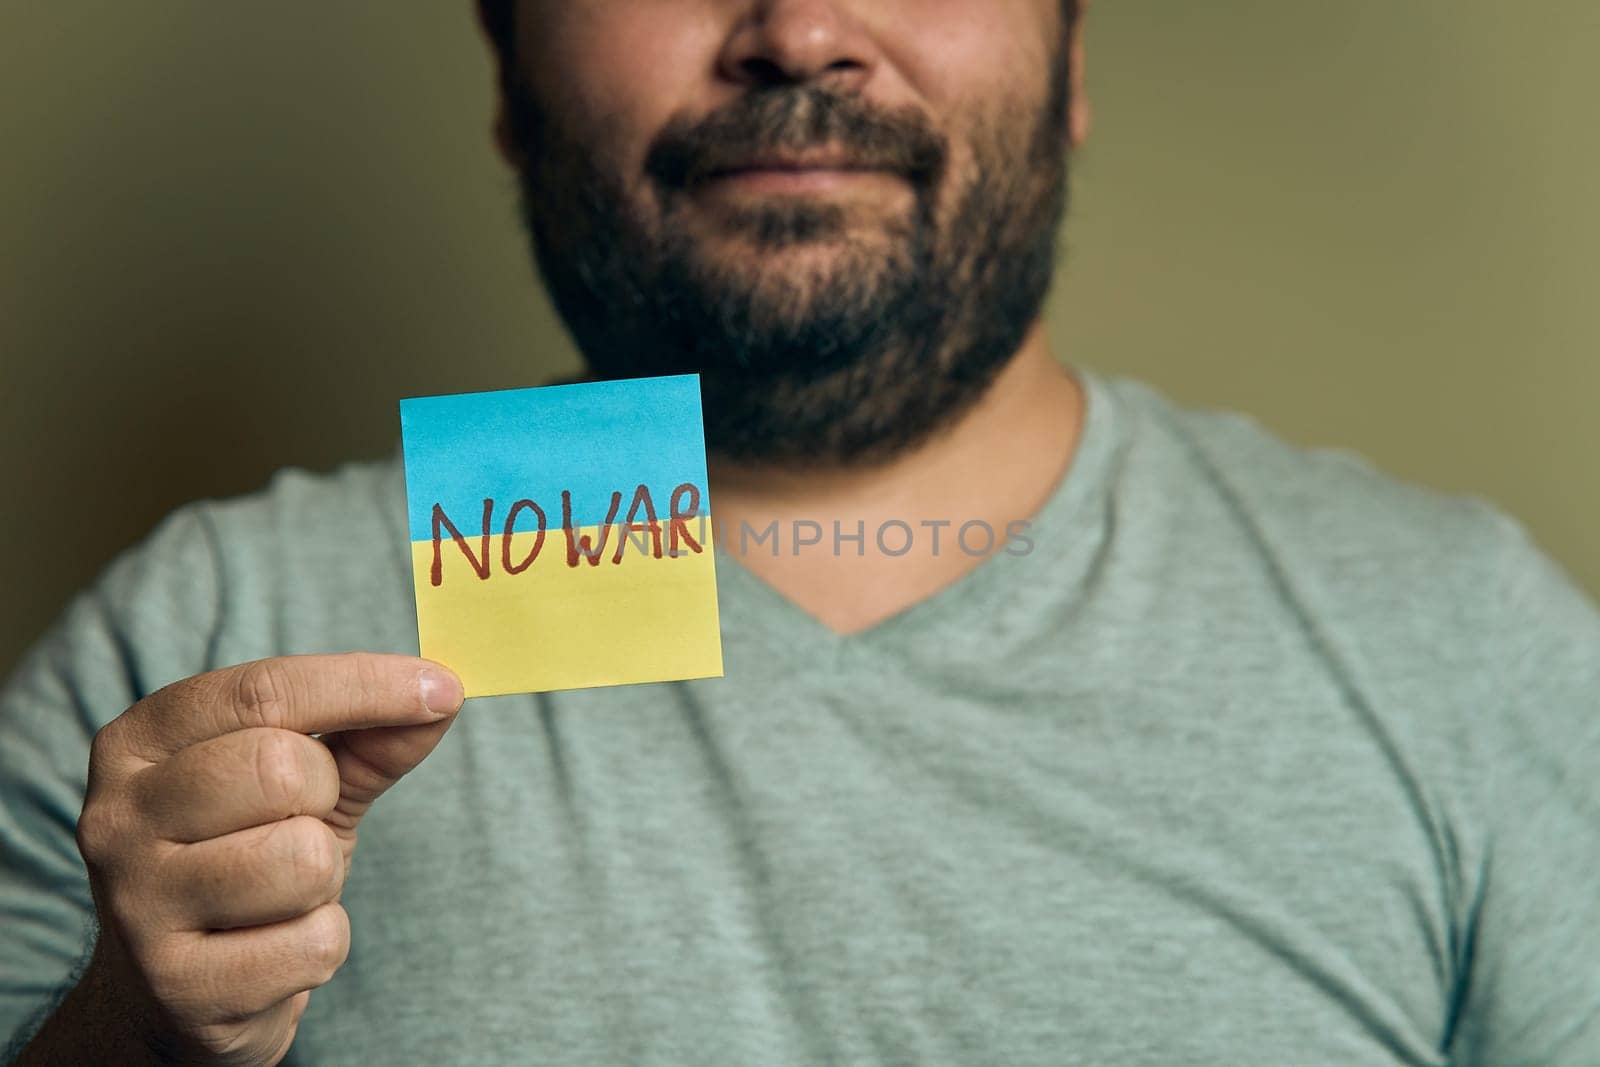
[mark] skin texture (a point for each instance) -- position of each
(218, 834)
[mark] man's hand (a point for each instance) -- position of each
(218, 834)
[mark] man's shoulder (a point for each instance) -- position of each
(308, 562)
(1432, 597)
(1318, 506)
(1399, 572)
(303, 545)
(299, 517)
(363, 498)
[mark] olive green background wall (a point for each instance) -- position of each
(233, 235)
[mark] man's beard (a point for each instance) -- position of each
(856, 361)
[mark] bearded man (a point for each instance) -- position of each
(1225, 751)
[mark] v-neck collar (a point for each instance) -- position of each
(1064, 529)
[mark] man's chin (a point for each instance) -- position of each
(792, 277)
(798, 270)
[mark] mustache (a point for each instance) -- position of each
(797, 119)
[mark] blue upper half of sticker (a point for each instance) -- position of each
(590, 439)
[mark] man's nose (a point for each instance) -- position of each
(780, 42)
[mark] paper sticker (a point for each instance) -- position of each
(561, 536)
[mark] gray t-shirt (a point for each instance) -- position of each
(1259, 757)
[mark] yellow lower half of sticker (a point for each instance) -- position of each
(556, 626)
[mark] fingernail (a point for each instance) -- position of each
(441, 691)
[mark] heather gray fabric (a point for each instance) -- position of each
(1259, 757)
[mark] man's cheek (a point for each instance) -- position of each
(601, 84)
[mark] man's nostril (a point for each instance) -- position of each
(763, 71)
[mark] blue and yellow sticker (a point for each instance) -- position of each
(561, 535)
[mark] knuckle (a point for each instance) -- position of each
(103, 745)
(261, 693)
(366, 675)
(327, 941)
(100, 829)
(280, 770)
(95, 836)
(365, 670)
(313, 851)
(108, 839)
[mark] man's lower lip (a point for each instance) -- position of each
(807, 180)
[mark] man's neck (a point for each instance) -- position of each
(997, 465)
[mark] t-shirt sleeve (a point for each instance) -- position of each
(144, 623)
(1532, 995)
